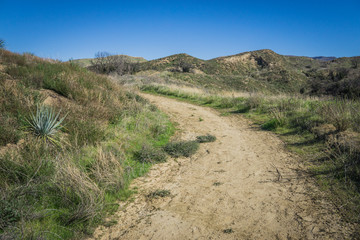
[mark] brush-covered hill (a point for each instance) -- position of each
(68, 145)
(264, 70)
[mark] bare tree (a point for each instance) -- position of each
(2, 43)
(106, 63)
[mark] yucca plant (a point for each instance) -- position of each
(45, 123)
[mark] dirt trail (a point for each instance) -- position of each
(245, 185)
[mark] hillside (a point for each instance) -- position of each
(70, 142)
(263, 70)
(255, 71)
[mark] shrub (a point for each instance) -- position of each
(45, 124)
(253, 102)
(270, 125)
(185, 66)
(2, 43)
(337, 113)
(205, 138)
(159, 193)
(182, 148)
(150, 154)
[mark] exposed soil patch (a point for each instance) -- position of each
(261, 191)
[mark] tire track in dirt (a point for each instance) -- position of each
(260, 191)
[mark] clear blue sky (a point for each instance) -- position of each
(205, 29)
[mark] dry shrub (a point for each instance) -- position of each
(344, 149)
(107, 171)
(337, 113)
(253, 101)
(289, 104)
(78, 192)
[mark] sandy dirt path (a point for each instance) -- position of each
(245, 185)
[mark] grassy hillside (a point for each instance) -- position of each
(260, 71)
(256, 71)
(58, 184)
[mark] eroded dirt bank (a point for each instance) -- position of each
(245, 185)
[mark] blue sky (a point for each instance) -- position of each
(204, 29)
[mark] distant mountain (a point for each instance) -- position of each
(322, 58)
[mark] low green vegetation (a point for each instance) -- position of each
(324, 132)
(205, 138)
(109, 137)
(149, 153)
(181, 148)
(228, 230)
(217, 183)
(159, 193)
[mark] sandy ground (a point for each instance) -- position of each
(245, 185)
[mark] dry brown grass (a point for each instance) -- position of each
(107, 171)
(78, 192)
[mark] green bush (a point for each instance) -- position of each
(182, 148)
(270, 125)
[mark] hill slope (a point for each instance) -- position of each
(262, 70)
(64, 181)
(265, 71)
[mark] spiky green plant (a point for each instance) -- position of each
(45, 123)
